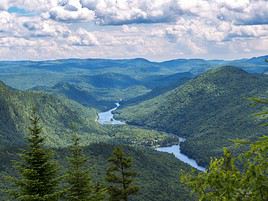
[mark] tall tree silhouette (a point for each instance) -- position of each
(38, 178)
(79, 184)
(120, 176)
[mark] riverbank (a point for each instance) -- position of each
(170, 145)
(176, 151)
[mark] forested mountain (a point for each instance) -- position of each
(28, 74)
(157, 98)
(102, 91)
(99, 83)
(58, 114)
(208, 110)
(157, 172)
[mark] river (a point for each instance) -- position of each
(176, 151)
(107, 118)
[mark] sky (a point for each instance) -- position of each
(152, 29)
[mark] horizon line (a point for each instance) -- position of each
(131, 58)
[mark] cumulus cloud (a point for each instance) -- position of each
(45, 29)
(246, 12)
(83, 38)
(113, 12)
(70, 11)
(134, 28)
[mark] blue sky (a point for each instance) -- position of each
(152, 29)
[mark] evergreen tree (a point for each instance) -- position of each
(79, 184)
(99, 192)
(229, 178)
(120, 176)
(37, 172)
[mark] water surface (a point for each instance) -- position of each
(107, 117)
(176, 150)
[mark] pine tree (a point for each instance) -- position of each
(120, 176)
(37, 171)
(79, 184)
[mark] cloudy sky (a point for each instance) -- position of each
(153, 29)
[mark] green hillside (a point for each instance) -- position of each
(158, 172)
(57, 115)
(208, 110)
(90, 96)
(103, 90)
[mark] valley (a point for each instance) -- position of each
(214, 106)
(133, 100)
(150, 108)
(107, 118)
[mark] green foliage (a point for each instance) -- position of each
(92, 96)
(244, 177)
(56, 115)
(131, 135)
(120, 176)
(79, 185)
(154, 169)
(231, 178)
(208, 110)
(38, 178)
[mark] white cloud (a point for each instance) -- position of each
(129, 29)
(148, 28)
(83, 38)
(134, 11)
(4, 5)
(71, 11)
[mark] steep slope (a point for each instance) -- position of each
(157, 172)
(103, 90)
(208, 110)
(100, 98)
(57, 115)
(83, 94)
(159, 85)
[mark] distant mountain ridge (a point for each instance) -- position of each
(136, 68)
(107, 81)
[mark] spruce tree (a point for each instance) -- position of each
(120, 176)
(79, 185)
(37, 171)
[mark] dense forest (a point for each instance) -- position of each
(208, 110)
(133, 100)
(90, 163)
(39, 177)
(82, 159)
